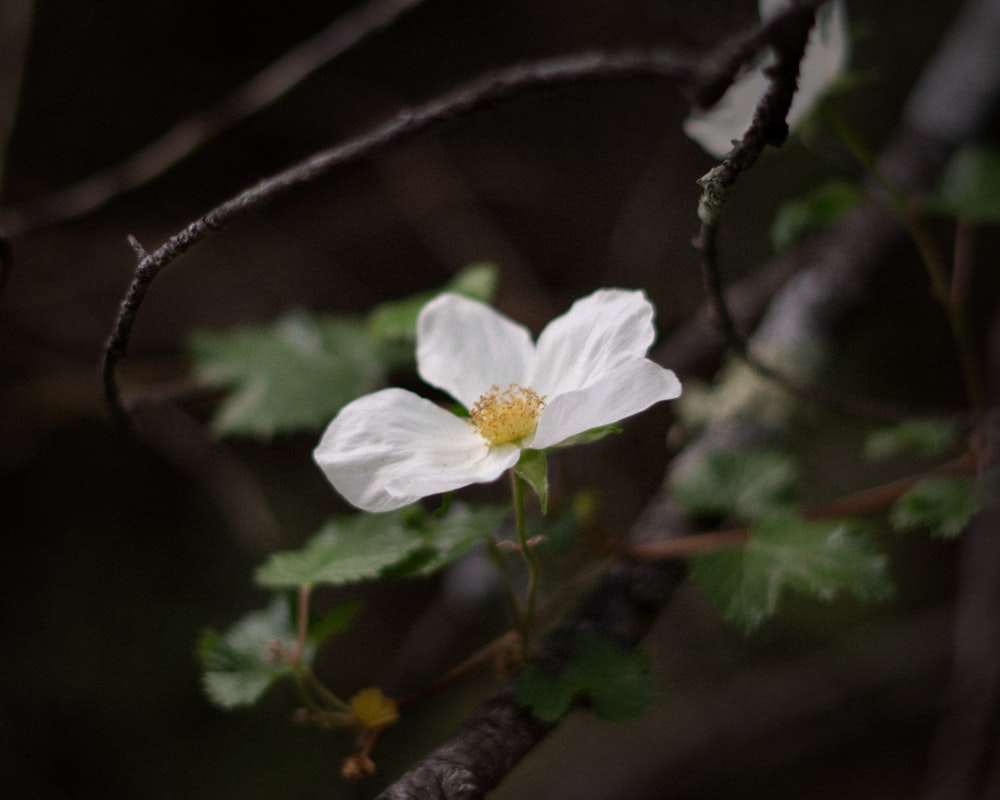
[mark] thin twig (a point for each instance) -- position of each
(488, 653)
(872, 500)
(695, 544)
(196, 131)
(516, 80)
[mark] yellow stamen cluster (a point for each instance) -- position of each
(508, 415)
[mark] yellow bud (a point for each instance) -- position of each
(370, 708)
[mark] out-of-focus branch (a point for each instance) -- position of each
(196, 131)
(15, 28)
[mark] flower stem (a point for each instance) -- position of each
(500, 560)
(527, 551)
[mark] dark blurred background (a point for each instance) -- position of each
(118, 551)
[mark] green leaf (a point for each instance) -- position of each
(345, 550)
(293, 374)
(592, 435)
(821, 559)
(616, 684)
(397, 320)
(448, 537)
(922, 437)
(334, 622)
(747, 484)
(943, 503)
(547, 697)
(533, 468)
(239, 665)
(970, 187)
(815, 210)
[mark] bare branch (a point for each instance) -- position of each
(624, 65)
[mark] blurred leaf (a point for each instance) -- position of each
(546, 697)
(562, 531)
(298, 372)
(533, 468)
(821, 559)
(746, 484)
(970, 187)
(345, 550)
(334, 622)
(239, 664)
(293, 374)
(815, 210)
(922, 437)
(618, 685)
(944, 504)
(397, 320)
(448, 537)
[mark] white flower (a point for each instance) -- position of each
(588, 369)
(826, 57)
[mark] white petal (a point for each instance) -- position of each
(598, 334)
(768, 8)
(465, 347)
(631, 388)
(826, 57)
(716, 128)
(388, 449)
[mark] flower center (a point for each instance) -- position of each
(507, 416)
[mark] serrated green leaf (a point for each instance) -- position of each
(943, 504)
(239, 665)
(815, 210)
(533, 468)
(970, 187)
(616, 684)
(922, 437)
(821, 559)
(745, 484)
(448, 537)
(397, 319)
(290, 375)
(345, 550)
